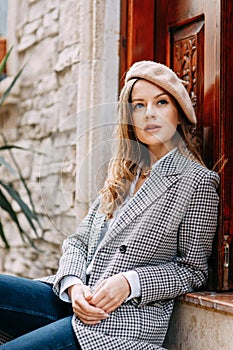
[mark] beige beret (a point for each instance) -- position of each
(164, 77)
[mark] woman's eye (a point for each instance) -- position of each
(162, 102)
(138, 106)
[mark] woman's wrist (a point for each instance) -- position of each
(69, 290)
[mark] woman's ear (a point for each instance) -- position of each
(179, 116)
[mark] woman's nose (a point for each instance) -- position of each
(150, 113)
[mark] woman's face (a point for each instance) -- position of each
(155, 117)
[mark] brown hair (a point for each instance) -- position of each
(131, 154)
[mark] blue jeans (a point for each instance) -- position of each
(34, 316)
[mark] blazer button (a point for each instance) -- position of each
(123, 248)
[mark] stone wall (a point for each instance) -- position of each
(70, 52)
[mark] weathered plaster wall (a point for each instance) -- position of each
(70, 52)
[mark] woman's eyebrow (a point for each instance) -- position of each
(137, 99)
(141, 99)
(162, 93)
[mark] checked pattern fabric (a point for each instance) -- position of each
(167, 231)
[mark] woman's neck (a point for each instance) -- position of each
(156, 156)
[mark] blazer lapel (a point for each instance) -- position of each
(95, 237)
(163, 176)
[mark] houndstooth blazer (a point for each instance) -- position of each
(165, 235)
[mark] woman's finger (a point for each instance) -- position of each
(81, 297)
(112, 293)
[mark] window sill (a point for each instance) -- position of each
(220, 302)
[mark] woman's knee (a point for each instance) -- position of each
(28, 304)
(18, 292)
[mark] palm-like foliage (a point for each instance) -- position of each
(8, 194)
(2, 66)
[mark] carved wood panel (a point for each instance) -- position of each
(187, 60)
(185, 64)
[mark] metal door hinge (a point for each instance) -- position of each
(226, 252)
(226, 261)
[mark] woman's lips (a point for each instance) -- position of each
(152, 127)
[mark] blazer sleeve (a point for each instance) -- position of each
(189, 269)
(74, 250)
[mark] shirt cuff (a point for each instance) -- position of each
(134, 282)
(65, 283)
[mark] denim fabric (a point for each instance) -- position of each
(32, 314)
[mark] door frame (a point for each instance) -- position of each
(134, 29)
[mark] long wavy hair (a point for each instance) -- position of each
(130, 153)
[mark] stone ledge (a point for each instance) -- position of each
(202, 320)
(222, 302)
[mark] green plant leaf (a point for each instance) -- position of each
(4, 61)
(30, 216)
(7, 190)
(18, 169)
(6, 93)
(3, 237)
(7, 166)
(10, 147)
(5, 205)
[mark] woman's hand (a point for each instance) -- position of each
(111, 293)
(80, 296)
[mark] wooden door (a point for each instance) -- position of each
(193, 38)
(137, 33)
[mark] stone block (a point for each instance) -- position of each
(30, 132)
(64, 226)
(67, 122)
(51, 99)
(51, 4)
(68, 38)
(11, 232)
(68, 20)
(67, 57)
(68, 101)
(38, 101)
(43, 57)
(15, 264)
(48, 31)
(31, 263)
(26, 105)
(54, 236)
(63, 202)
(32, 27)
(40, 34)
(26, 41)
(50, 17)
(36, 10)
(31, 117)
(64, 139)
(45, 84)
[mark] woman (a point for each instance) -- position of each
(145, 241)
